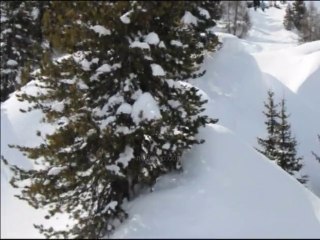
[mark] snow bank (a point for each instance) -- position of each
(294, 66)
(237, 86)
(223, 194)
(309, 90)
(19, 128)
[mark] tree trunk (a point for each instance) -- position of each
(235, 17)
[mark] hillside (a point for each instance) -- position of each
(227, 189)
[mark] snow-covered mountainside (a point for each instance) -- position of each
(227, 188)
(254, 66)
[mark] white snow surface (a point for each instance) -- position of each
(176, 43)
(35, 13)
(227, 189)
(145, 108)
(55, 170)
(101, 30)
(204, 12)
(125, 108)
(125, 19)
(137, 44)
(217, 197)
(126, 156)
(152, 38)
(157, 70)
(12, 62)
(188, 18)
(104, 68)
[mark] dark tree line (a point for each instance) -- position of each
(304, 18)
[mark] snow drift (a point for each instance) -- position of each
(224, 191)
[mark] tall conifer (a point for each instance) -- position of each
(268, 144)
(112, 81)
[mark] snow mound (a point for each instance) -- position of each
(234, 197)
(188, 18)
(237, 93)
(157, 70)
(12, 62)
(309, 90)
(104, 68)
(152, 38)
(145, 108)
(137, 44)
(101, 30)
(125, 18)
(307, 48)
(304, 60)
(19, 128)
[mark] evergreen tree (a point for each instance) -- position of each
(288, 18)
(21, 38)
(268, 145)
(314, 154)
(299, 11)
(280, 146)
(256, 4)
(310, 25)
(236, 16)
(109, 64)
(286, 153)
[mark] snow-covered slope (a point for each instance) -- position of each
(227, 189)
(291, 71)
(17, 218)
(267, 32)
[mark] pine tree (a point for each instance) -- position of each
(317, 157)
(21, 39)
(310, 25)
(288, 18)
(237, 18)
(268, 145)
(280, 146)
(285, 151)
(299, 11)
(103, 63)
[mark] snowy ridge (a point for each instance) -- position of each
(220, 202)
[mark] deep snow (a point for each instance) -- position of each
(227, 189)
(222, 195)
